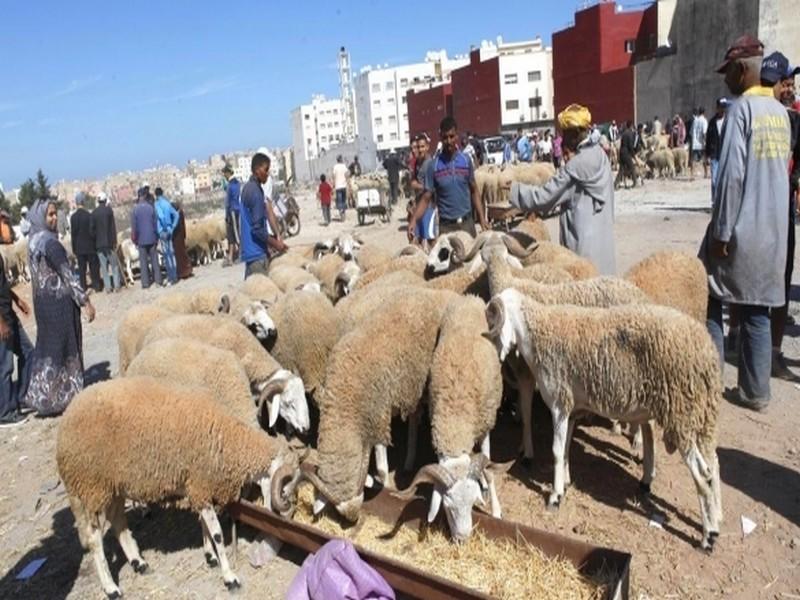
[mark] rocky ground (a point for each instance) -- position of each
(759, 456)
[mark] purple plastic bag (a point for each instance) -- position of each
(336, 572)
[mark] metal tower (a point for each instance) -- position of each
(346, 92)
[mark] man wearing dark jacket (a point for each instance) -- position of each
(83, 244)
(144, 235)
(105, 239)
(714, 140)
(393, 165)
(629, 145)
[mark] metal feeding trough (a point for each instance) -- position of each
(588, 559)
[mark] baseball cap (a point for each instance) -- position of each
(745, 46)
(723, 101)
(775, 67)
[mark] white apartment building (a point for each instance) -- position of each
(526, 80)
(316, 127)
(381, 111)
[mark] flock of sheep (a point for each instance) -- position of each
(363, 335)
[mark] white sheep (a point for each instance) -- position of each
(149, 441)
(261, 288)
(289, 278)
(326, 270)
(634, 363)
(448, 252)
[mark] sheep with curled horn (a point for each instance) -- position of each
(447, 253)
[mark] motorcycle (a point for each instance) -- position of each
(287, 213)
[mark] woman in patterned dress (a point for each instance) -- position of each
(57, 364)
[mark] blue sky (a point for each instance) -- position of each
(91, 87)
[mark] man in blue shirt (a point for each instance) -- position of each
(451, 178)
(145, 235)
(166, 222)
(232, 208)
(524, 151)
(253, 220)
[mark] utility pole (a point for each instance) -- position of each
(346, 93)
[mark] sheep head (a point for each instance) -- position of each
(281, 491)
(502, 314)
(349, 508)
(324, 247)
(284, 394)
(346, 279)
(348, 245)
(448, 251)
(257, 319)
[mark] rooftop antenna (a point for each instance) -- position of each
(346, 93)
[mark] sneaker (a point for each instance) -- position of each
(735, 396)
(780, 369)
(13, 419)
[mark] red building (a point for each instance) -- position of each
(426, 109)
(593, 60)
(476, 95)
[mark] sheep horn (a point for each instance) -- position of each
(224, 304)
(458, 249)
(409, 251)
(476, 247)
(274, 386)
(515, 248)
(495, 316)
(434, 473)
(477, 465)
(284, 474)
(309, 473)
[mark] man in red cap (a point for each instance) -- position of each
(744, 249)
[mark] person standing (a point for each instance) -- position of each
(744, 249)
(677, 136)
(699, 130)
(166, 222)
(558, 152)
(714, 140)
(182, 261)
(144, 234)
(24, 223)
(340, 176)
(776, 73)
(583, 192)
(425, 233)
(83, 243)
(324, 194)
(56, 371)
(13, 342)
(450, 179)
(524, 151)
(354, 168)
(657, 126)
(105, 239)
(627, 152)
(546, 147)
(255, 213)
(393, 166)
(232, 208)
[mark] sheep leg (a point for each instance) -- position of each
(636, 442)
(411, 448)
(560, 430)
(525, 393)
(382, 463)
(570, 430)
(94, 538)
(708, 504)
(494, 501)
(119, 523)
(208, 547)
(645, 430)
(210, 519)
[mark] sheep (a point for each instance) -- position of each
(326, 270)
(133, 328)
(308, 329)
(129, 256)
(681, 160)
(289, 278)
(549, 252)
(673, 279)
(465, 391)
(262, 370)
(448, 252)
(198, 241)
(463, 281)
(376, 371)
(634, 363)
(415, 263)
(662, 162)
(370, 256)
(346, 246)
(346, 278)
(152, 442)
(178, 360)
(292, 258)
(537, 173)
(530, 230)
(357, 307)
(212, 301)
(261, 287)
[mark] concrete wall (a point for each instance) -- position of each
(363, 147)
(779, 27)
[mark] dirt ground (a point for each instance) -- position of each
(759, 456)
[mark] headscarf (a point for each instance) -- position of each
(575, 116)
(39, 234)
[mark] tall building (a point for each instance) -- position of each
(346, 95)
(381, 110)
(316, 127)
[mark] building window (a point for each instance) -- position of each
(376, 87)
(323, 139)
(378, 121)
(393, 136)
(390, 86)
(390, 100)
(380, 138)
(630, 46)
(392, 120)
(405, 116)
(404, 82)
(376, 103)
(535, 101)
(307, 116)
(534, 75)
(404, 99)
(510, 78)
(512, 104)
(308, 142)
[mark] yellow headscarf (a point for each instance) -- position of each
(575, 116)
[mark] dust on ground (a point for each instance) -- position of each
(759, 457)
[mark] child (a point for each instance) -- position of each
(324, 196)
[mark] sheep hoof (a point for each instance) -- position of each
(710, 541)
(211, 560)
(114, 594)
(139, 566)
(554, 503)
(233, 584)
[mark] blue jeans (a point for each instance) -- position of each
(20, 346)
(254, 267)
(169, 257)
(341, 201)
(108, 259)
(714, 170)
(754, 350)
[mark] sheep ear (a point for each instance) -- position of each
(499, 467)
(513, 261)
(224, 304)
(436, 504)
